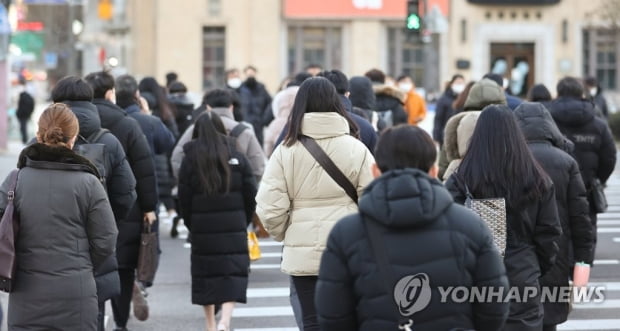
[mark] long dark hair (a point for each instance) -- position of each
(316, 94)
(459, 102)
(162, 108)
(213, 153)
(498, 162)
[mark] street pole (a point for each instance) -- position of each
(5, 33)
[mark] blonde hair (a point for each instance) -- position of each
(57, 125)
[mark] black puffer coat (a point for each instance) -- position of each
(577, 239)
(417, 213)
(533, 232)
(184, 111)
(443, 112)
(219, 259)
(391, 98)
(595, 150)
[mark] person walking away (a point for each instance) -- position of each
(406, 226)
(444, 109)
(594, 91)
(25, 108)
(158, 103)
(254, 102)
(512, 101)
(363, 100)
(389, 100)
(293, 178)
(415, 106)
(546, 143)
(183, 106)
(595, 150)
(281, 105)
(539, 93)
(460, 127)
(216, 193)
(63, 238)
(498, 164)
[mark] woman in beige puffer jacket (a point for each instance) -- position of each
(297, 201)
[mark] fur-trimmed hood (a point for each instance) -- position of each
(391, 91)
(42, 156)
(459, 130)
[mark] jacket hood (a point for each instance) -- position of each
(43, 156)
(87, 115)
(283, 101)
(483, 93)
(572, 112)
(180, 99)
(150, 99)
(324, 125)
(405, 199)
(362, 95)
(458, 131)
(391, 91)
(346, 103)
(537, 125)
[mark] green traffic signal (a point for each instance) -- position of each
(413, 22)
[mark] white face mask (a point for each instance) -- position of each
(593, 91)
(405, 87)
(234, 82)
(458, 88)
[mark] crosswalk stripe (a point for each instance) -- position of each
(274, 254)
(608, 230)
(609, 286)
(263, 311)
(269, 243)
(608, 216)
(264, 266)
(268, 292)
(607, 304)
(598, 262)
(617, 240)
(602, 324)
(605, 223)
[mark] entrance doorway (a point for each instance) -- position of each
(515, 62)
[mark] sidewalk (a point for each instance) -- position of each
(8, 158)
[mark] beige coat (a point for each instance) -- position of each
(299, 203)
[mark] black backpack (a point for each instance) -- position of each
(25, 105)
(95, 152)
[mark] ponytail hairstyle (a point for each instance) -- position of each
(57, 126)
(213, 154)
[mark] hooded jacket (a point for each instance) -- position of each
(443, 112)
(415, 212)
(595, 150)
(299, 203)
(66, 231)
(391, 98)
(577, 241)
(363, 100)
(460, 127)
(184, 108)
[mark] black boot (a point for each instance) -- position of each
(173, 231)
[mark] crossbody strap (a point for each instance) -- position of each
(328, 165)
(385, 269)
(11, 192)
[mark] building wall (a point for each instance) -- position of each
(542, 26)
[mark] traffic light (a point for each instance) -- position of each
(414, 21)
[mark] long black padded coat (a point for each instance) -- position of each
(575, 245)
(424, 232)
(533, 233)
(129, 133)
(218, 224)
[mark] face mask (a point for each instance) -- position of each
(593, 91)
(234, 82)
(405, 87)
(458, 88)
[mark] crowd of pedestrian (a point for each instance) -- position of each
(335, 168)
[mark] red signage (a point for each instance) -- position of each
(322, 9)
(29, 26)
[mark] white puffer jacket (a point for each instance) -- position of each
(299, 203)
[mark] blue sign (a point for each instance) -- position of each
(51, 60)
(5, 27)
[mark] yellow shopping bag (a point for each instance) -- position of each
(253, 246)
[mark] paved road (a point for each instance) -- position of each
(268, 307)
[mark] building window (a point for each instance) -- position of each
(314, 45)
(405, 56)
(213, 57)
(600, 56)
(215, 7)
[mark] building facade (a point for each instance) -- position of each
(533, 41)
(279, 37)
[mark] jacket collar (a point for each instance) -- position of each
(132, 109)
(87, 115)
(42, 156)
(324, 125)
(223, 112)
